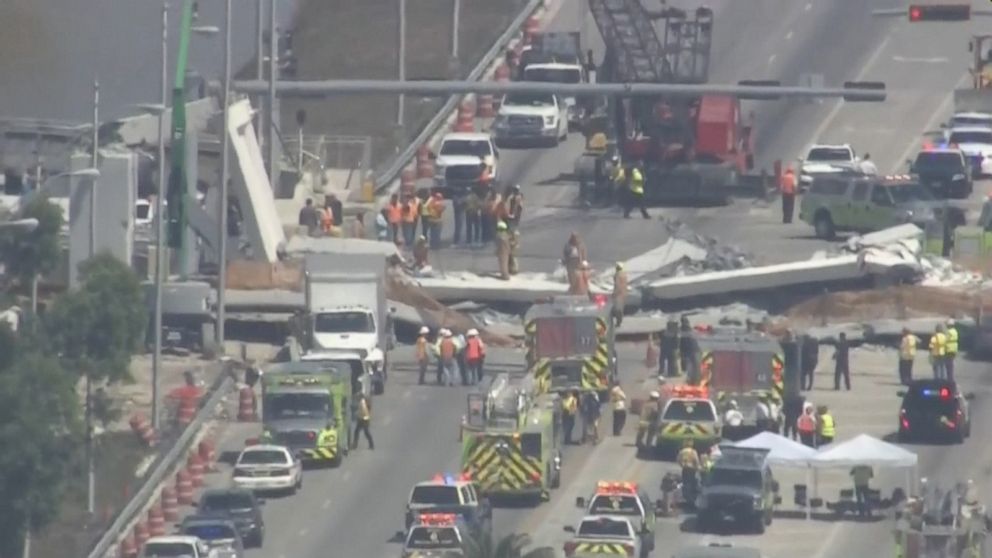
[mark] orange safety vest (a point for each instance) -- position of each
(474, 349)
(327, 219)
(411, 210)
(806, 424)
(395, 213)
(421, 348)
(788, 183)
(447, 349)
(434, 208)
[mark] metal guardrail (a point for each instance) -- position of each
(164, 464)
(391, 170)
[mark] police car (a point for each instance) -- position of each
(435, 535)
(605, 535)
(450, 494)
(934, 409)
(623, 499)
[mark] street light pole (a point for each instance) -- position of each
(260, 64)
(90, 462)
(402, 63)
(273, 117)
(456, 17)
(159, 224)
(224, 179)
(95, 163)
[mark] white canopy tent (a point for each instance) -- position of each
(782, 450)
(864, 450)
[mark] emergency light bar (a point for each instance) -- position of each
(308, 381)
(438, 519)
(690, 392)
(943, 393)
(939, 12)
(451, 479)
(615, 487)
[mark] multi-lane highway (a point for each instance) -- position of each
(357, 509)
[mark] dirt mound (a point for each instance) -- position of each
(893, 302)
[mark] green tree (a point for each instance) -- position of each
(39, 416)
(29, 254)
(510, 546)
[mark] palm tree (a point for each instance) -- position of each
(510, 546)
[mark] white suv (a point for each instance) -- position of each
(539, 117)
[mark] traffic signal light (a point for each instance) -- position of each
(939, 12)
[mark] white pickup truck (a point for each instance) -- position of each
(177, 546)
(826, 159)
(537, 117)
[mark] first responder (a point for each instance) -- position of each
(489, 219)
(580, 280)
(590, 417)
(573, 255)
(619, 178)
(619, 293)
(619, 400)
(515, 207)
(569, 408)
(788, 187)
(668, 364)
(951, 350)
(688, 351)
(647, 429)
(842, 362)
(475, 354)
(688, 460)
(635, 195)
(422, 352)
(938, 350)
(806, 425)
(733, 417)
(763, 413)
(503, 250)
(513, 266)
(907, 354)
(826, 428)
(327, 220)
(362, 425)
(473, 218)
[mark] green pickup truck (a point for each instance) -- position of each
(855, 202)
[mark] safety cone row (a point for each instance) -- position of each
(466, 117)
(128, 548)
(246, 405)
(486, 108)
(170, 504)
(425, 165)
(156, 521)
(196, 469)
(184, 487)
(140, 425)
(141, 534)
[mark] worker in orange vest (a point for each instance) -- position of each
(788, 187)
(475, 355)
(446, 350)
(806, 425)
(327, 220)
(411, 212)
(394, 215)
(422, 354)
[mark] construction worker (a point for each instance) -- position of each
(619, 293)
(332, 201)
(515, 207)
(475, 355)
(327, 220)
(569, 408)
(580, 282)
(422, 352)
(862, 475)
(842, 362)
(383, 231)
(668, 362)
(647, 428)
(514, 267)
(590, 417)
(435, 213)
(619, 400)
(420, 253)
(503, 250)
(806, 425)
(688, 351)
(825, 426)
(635, 195)
(394, 216)
(907, 354)
(362, 425)
(411, 213)
(447, 352)
(950, 350)
(788, 190)
(688, 460)
(938, 350)
(460, 346)
(309, 218)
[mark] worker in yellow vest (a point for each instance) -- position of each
(938, 352)
(825, 425)
(569, 407)
(635, 195)
(907, 354)
(951, 350)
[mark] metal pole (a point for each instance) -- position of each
(260, 65)
(95, 164)
(159, 222)
(402, 62)
(225, 157)
(90, 461)
(456, 16)
(272, 119)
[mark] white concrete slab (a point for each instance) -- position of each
(469, 286)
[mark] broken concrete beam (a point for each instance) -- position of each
(885, 237)
(469, 286)
(660, 260)
(879, 330)
(299, 245)
(778, 276)
(829, 334)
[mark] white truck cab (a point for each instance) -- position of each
(177, 546)
(558, 72)
(532, 116)
(825, 159)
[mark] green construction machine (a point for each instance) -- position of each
(307, 407)
(571, 344)
(512, 439)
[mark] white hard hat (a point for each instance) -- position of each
(655, 395)
(950, 321)
(447, 333)
(472, 332)
(585, 264)
(425, 330)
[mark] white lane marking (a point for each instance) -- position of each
(387, 419)
(809, 6)
(788, 35)
(860, 77)
(932, 60)
(772, 58)
(325, 505)
(303, 532)
(937, 114)
(345, 475)
(828, 541)
(406, 394)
